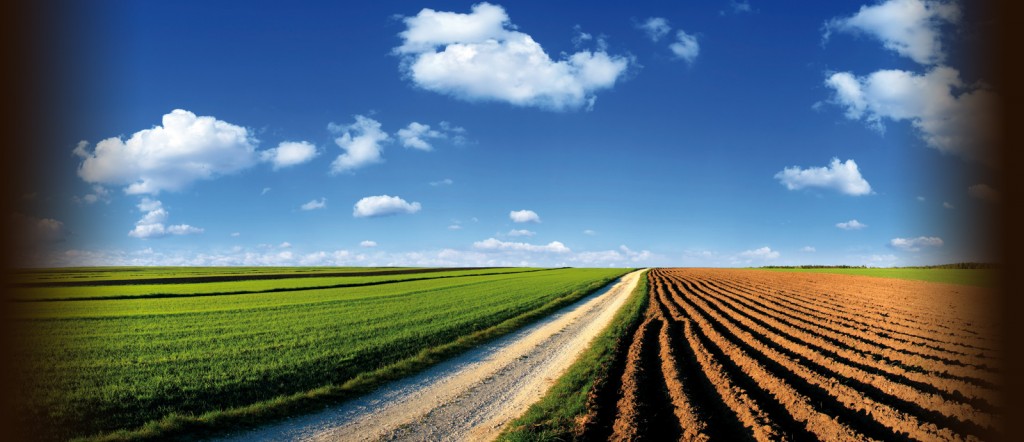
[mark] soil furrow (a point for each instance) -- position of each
(932, 408)
(850, 406)
(847, 351)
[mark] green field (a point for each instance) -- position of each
(167, 366)
(975, 277)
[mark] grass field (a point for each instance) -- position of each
(152, 367)
(975, 277)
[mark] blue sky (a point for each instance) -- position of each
(651, 133)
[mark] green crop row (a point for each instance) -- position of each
(92, 368)
(232, 287)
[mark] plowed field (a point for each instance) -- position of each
(728, 354)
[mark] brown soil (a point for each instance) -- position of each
(726, 354)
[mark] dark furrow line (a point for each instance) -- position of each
(253, 292)
(821, 397)
(815, 305)
(817, 328)
(720, 423)
(825, 303)
(977, 402)
(780, 416)
(868, 390)
(912, 353)
(235, 278)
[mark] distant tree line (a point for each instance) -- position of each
(961, 265)
(958, 265)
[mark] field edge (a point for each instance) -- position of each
(561, 413)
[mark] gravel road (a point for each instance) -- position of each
(469, 397)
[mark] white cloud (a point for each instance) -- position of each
(524, 216)
(948, 115)
(235, 234)
(481, 56)
(383, 205)
(99, 193)
(416, 135)
(454, 227)
(32, 231)
(151, 225)
(685, 47)
(264, 191)
(368, 244)
(841, 176)
(740, 7)
(315, 204)
(851, 225)
(496, 244)
(589, 232)
(808, 249)
(920, 198)
(184, 149)
(285, 245)
(444, 182)
(520, 232)
(655, 27)
(947, 205)
(910, 28)
(983, 192)
(362, 143)
(634, 256)
(915, 244)
(289, 153)
(761, 253)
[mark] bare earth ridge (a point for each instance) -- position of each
(472, 396)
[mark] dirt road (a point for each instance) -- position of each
(470, 397)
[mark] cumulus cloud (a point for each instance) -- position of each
(655, 28)
(151, 225)
(444, 182)
(368, 244)
(808, 249)
(741, 7)
(33, 231)
(315, 204)
(481, 56)
(589, 232)
(983, 192)
(916, 244)
(910, 28)
(623, 256)
(851, 225)
(455, 226)
(840, 176)
(362, 143)
(289, 153)
(524, 216)
(383, 205)
(948, 115)
(185, 148)
(496, 244)
(761, 253)
(99, 193)
(416, 135)
(520, 232)
(285, 245)
(948, 205)
(685, 47)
